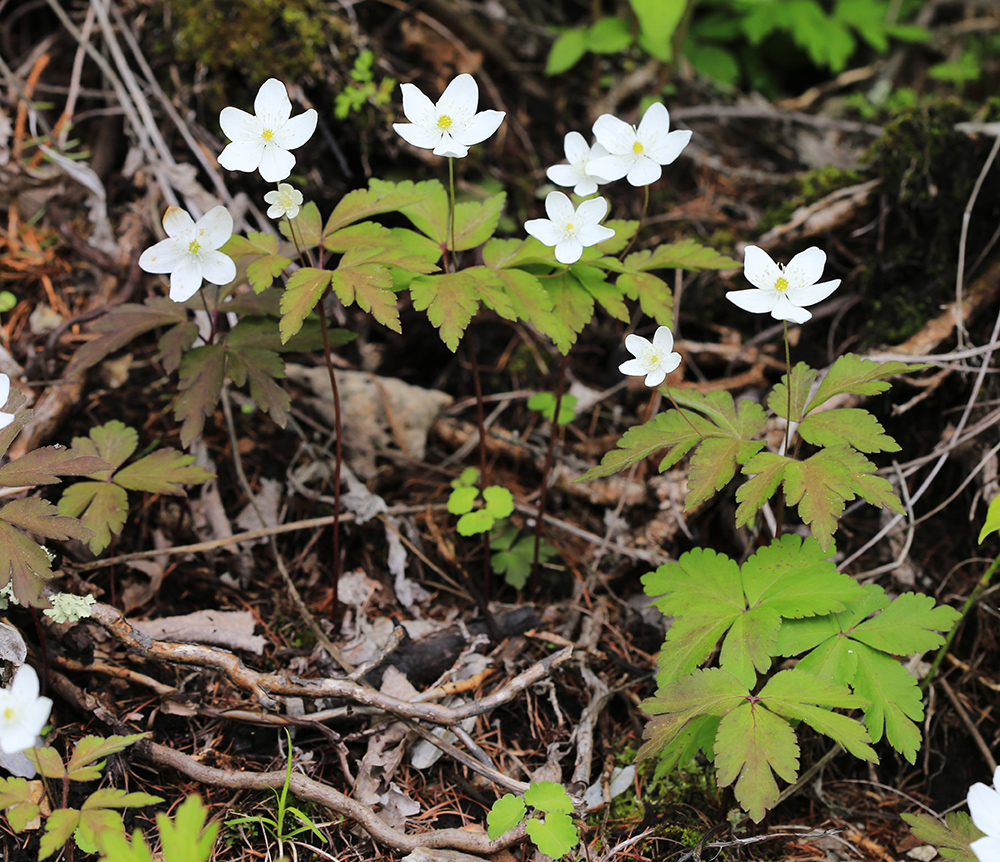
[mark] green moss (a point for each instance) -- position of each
(804, 191)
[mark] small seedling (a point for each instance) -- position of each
(545, 403)
(550, 826)
(497, 503)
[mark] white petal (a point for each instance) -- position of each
(479, 128)
(656, 376)
(272, 100)
(242, 155)
(634, 368)
(217, 267)
(611, 167)
(276, 164)
(592, 211)
(576, 148)
(463, 93)
(670, 362)
(418, 136)
(297, 130)
(448, 146)
(663, 340)
(417, 108)
(238, 125)
(984, 804)
(215, 228)
(178, 223)
(655, 122)
(666, 149)
(185, 281)
(784, 309)
(25, 684)
(987, 849)
(544, 231)
(813, 293)
(644, 172)
(165, 256)
(615, 135)
(4, 389)
(756, 301)
(275, 211)
(593, 234)
(637, 345)
(586, 186)
(564, 175)
(569, 250)
(759, 269)
(806, 267)
(559, 208)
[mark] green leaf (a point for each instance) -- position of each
(751, 746)
(462, 499)
(187, 839)
(452, 299)
(469, 476)
(555, 835)
(853, 374)
(113, 441)
(952, 838)
(545, 403)
(847, 425)
(305, 229)
(95, 825)
(684, 254)
(47, 761)
(162, 472)
(15, 802)
(505, 814)
(44, 466)
(575, 310)
(608, 35)
(268, 264)
(595, 282)
(114, 797)
(304, 289)
(102, 507)
(475, 221)
(474, 523)
(84, 765)
(894, 699)
(992, 523)
(656, 299)
(499, 501)
(515, 560)
(41, 517)
(59, 826)
(911, 624)
(263, 368)
(202, 373)
(380, 197)
(23, 563)
(658, 21)
(500, 254)
(802, 380)
(548, 796)
(566, 51)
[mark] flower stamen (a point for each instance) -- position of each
(637, 148)
(444, 122)
(781, 285)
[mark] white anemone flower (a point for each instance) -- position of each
(783, 290)
(452, 125)
(23, 713)
(285, 201)
(189, 253)
(5, 418)
(654, 359)
(577, 173)
(261, 140)
(570, 230)
(984, 804)
(637, 153)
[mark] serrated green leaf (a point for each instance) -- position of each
(750, 643)
(202, 373)
(751, 746)
(952, 838)
(575, 307)
(911, 624)
(429, 214)
(595, 282)
(162, 472)
(545, 403)
(475, 221)
(380, 197)
(306, 229)
(304, 289)
(15, 802)
(499, 501)
(624, 230)
(501, 254)
(25, 564)
(263, 368)
(47, 761)
(462, 499)
(59, 826)
(851, 373)
(703, 692)
(992, 523)
(102, 507)
(803, 378)
(566, 51)
(263, 271)
(893, 697)
(113, 441)
(41, 517)
(555, 835)
(664, 431)
(187, 839)
(847, 425)
(452, 299)
(684, 254)
(656, 299)
(548, 796)
(114, 797)
(474, 523)
(713, 466)
(45, 466)
(95, 825)
(506, 813)
(83, 764)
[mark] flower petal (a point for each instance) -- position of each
(276, 164)
(417, 108)
(238, 125)
(592, 211)
(655, 122)
(559, 208)
(666, 149)
(663, 340)
(637, 345)
(165, 256)
(759, 269)
(272, 100)
(185, 280)
(217, 267)
(755, 301)
(984, 805)
(586, 186)
(576, 148)
(813, 293)
(177, 222)
(986, 849)
(448, 146)
(611, 167)
(569, 250)
(4, 389)
(644, 172)
(564, 175)
(615, 135)
(670, 362)
(593, 234)
(417, 135)
(479, 128)
(806, 267)
(297, 130)
(25, 684)
(784, 309)
(656, 376)
(463, 93)
(544, 231)
(215, 228)
(634, 368)
(242, 155)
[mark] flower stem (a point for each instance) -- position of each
(642, 216)
(779, 515)
(338, 450)
(481, 424)
(553, 435)
(451, 211)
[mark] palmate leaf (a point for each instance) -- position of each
(847, 425)
(305, 229)
(102, 507)
(304, 289)
(267, 265)
(656, 299)
(911, 624)
(263, 368)
(24, 564)
(162, 472)
(370, 286)
(41, 517)
(380, 197)
(476, 221)
(952, 838)
(575, 309)
(500, 254)
(527, 299)
(803, 378)
(188, 838)
(608, 295)
(202, 373)
(369, 242)
(44, 466)
(992, 522)
(452, 299)
(113, 441)
(851, 373)
(87, 759)
(15, 802)
(548, 796)
(664, 431)
(59, 826)
(684, 254)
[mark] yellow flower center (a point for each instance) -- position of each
(267, 134)
(10, 713)
(781, 285)
(194, 247)
(637, 148)
(570, 227)
(444, 122)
